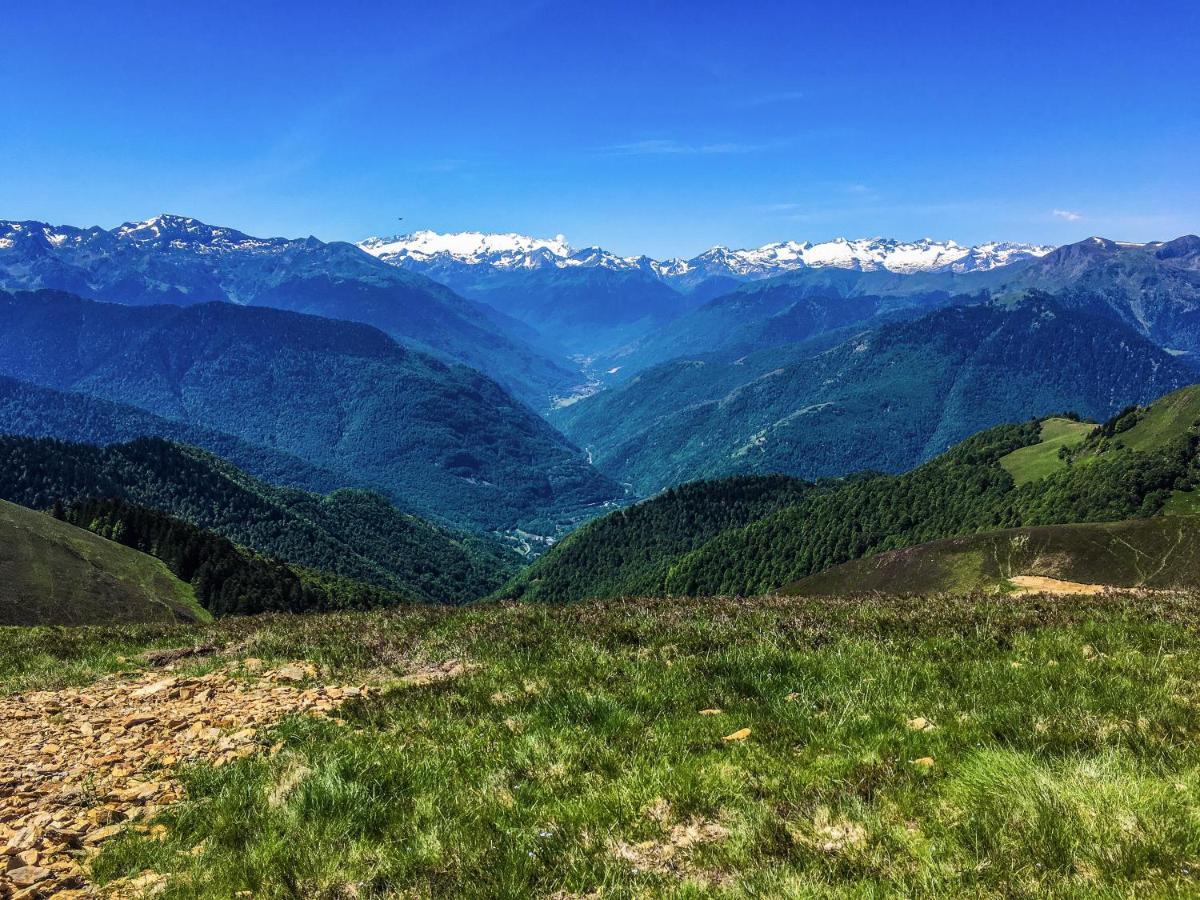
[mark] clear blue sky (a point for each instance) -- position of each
(644, 127)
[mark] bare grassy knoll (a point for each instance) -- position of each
(52, 571)
(784, 747)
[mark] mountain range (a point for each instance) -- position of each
(429, 252)
(885, 398)
(182, 261)
(593, 303)
(1153, 288)
(440, 440)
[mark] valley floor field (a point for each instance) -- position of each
(962, 745)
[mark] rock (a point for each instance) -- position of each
(102, 834)
(115, 742)
(28, 875)
(156, 688)
(924, 762)
(920, 723)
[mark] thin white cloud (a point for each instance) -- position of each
(1068, 215)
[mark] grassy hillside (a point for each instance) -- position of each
(958, 747)
(1172, 418)
(54, 573)
(1158, 553)
(1039, 460)
(351, 533)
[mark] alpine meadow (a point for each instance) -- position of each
(590, 452)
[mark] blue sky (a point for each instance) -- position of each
(646, 127)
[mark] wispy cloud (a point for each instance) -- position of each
(1067, 214)
(668, 147)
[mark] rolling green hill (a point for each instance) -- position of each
(967, 490)
(1157, 553)
(352, 533)
(52, 572)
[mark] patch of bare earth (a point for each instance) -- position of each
(78, 766)
(1038, 584)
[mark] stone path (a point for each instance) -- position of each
(80, 765)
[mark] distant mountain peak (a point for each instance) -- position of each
(425, 251)
(508, 250)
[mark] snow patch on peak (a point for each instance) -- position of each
(507, 250)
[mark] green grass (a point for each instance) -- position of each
(1165, 420)
(51, 571)
(1183, 503)
(574, 762)
(1041, 459)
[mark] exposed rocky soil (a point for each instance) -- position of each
(80, 765)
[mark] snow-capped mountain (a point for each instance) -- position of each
(433, 254)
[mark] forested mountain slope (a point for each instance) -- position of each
(442, 441)
(887, 398)
(1143, 462)
(627, 553)
(351, 533)
(31, 410)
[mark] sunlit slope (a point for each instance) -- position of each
(1040, 459)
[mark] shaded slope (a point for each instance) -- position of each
(351, 533)
(54, 573)
(31, 410)
(443, 441)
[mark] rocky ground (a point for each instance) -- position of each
(80, 765)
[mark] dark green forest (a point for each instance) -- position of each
(227, 580)
(352, 533)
